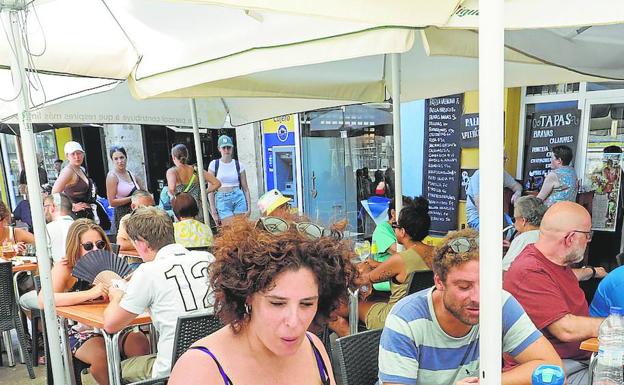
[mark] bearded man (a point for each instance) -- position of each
(432, 337)
(542, 280)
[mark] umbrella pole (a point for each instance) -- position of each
(11, 17)
(396, 130)
(491, 97)
(200, 161)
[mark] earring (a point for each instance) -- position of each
(247, 309)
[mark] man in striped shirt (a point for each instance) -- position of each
(432, 337)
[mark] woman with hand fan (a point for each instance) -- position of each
(85, 236)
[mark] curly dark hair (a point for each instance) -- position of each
(249, 259)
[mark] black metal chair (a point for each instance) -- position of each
(9, 312)
(190, 328)
(357, 357)
(419, 280)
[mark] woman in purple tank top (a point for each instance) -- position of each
(120, 184)
(269, 299)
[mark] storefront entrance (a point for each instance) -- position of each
(336, 146)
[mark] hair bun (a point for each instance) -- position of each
(421, 204)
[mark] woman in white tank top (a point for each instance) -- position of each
(232, 198)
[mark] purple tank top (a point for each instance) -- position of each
(319, 363)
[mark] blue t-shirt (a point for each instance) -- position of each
(414, 349)
(610, 292)
(472, 194)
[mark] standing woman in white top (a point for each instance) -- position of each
(232, 198)
(120, 184)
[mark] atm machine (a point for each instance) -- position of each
(285, 175)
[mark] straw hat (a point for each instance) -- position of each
(271, 200)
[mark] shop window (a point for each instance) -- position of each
(604, 86)
(553, 89)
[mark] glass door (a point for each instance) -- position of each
(338, 146)
(325, 178)
(602, 175)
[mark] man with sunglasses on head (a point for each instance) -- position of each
(432, 337)
(172, 281)
(542, 280)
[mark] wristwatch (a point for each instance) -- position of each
(593, 272)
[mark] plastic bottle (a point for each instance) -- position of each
(610, 349)
(548, 375)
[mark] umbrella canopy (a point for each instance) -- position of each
(519, 14)
(278, 49)
(113, 103)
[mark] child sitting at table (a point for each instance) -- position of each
(85, 344)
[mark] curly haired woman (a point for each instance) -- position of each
(272, 279)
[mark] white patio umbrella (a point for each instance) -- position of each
(464, 14)
(113, 103)
(151, 43)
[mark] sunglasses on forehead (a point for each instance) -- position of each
(462, 244)
(88, 246)
(275, 225)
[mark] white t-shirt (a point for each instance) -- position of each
(227, 172)
(57, 233)
(174, 283)
(517, 245)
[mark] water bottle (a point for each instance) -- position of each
(610, 349)
(548, 375)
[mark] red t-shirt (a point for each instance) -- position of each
(547, 292)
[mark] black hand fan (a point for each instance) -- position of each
(101, 266)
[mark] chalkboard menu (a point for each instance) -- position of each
(441, 168)
(548, 129)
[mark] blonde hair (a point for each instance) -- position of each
(152, 225)
(75, 232)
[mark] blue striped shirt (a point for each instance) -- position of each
(415, 350)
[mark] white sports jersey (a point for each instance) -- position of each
(174, 283)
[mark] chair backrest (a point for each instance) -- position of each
(357, 357)
(420, 280)
(190, 328)
(8, 305)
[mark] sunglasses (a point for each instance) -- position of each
(395, 225)
(275, 225)
(88, 246)
(462, 244)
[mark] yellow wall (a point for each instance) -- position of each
(63, 135)
(470, 156)
(3, 192)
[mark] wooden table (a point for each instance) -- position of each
(591, 345)
(93, 315)
(25, 267)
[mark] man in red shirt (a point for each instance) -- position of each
(543, 282)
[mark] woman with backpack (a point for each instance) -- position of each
(232, 198)
(182, 177)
